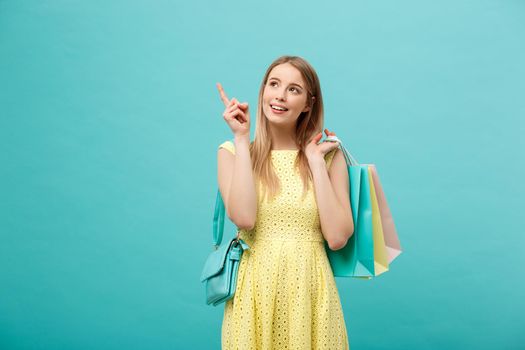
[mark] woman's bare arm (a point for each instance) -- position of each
(333, 200)
(236, 183)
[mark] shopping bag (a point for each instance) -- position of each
(380, 253)
(393, 246)
(374, 243)
(356, 259)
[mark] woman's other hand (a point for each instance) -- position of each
(315, 151)
(236, 114)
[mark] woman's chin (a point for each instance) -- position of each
(276, 119)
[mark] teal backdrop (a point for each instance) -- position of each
(110, 122)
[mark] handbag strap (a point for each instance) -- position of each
(218, 219)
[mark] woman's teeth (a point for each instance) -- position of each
(278, 108)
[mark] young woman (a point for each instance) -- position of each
(288, 194)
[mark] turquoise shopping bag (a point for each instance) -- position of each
(356, 259)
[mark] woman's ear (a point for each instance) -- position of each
(307, 108)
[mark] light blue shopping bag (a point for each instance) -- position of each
(356, 259)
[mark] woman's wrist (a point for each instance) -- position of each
(316, 161)
(241, 140)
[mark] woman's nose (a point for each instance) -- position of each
(281, 95)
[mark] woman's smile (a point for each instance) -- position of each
(278, 109)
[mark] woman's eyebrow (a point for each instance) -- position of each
(280, 80)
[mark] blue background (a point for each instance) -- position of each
(110, 122)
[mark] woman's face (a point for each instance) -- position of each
(284, 88)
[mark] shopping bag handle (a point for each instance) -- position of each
(350, 160)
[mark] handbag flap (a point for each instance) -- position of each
(216, 260)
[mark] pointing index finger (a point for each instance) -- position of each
(224, 98)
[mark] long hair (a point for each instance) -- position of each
(308, 124)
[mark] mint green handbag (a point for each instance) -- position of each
(222, 265)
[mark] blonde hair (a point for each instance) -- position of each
(309, 124)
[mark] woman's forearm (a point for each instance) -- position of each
(242, 198)
(336, 224)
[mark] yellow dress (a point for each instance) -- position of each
(286, 296)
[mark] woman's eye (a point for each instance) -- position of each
(293, 89)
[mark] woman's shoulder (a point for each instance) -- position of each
(328, 157)
(229, 145)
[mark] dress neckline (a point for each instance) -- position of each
(284, 150)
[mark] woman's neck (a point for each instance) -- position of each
(283, 138)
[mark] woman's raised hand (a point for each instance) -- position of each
(315, 151)
(236, 114)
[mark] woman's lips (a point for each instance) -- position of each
(276, 111)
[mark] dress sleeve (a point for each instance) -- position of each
(229, 146)
(329, 157)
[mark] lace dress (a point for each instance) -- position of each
(286, 296)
